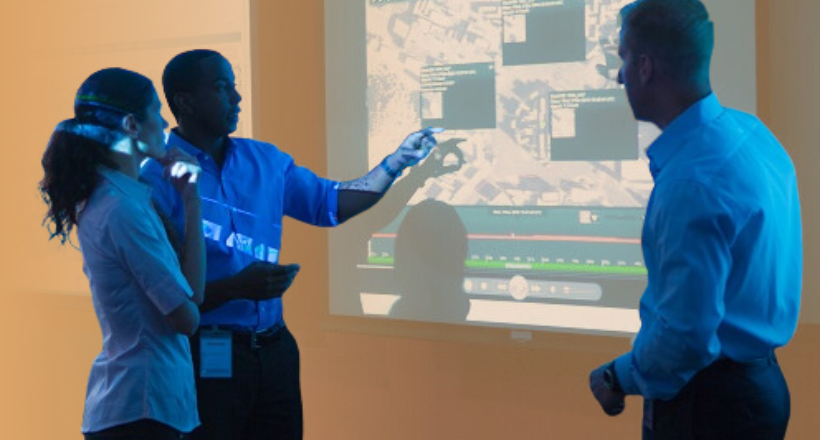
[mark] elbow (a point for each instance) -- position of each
(191, 327)
(340, 219)
(199, 295)
(184, 319)
(187, 328)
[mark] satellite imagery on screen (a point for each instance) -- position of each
(539, 183)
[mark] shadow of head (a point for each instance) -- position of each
(430, 249)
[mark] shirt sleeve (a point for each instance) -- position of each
(691, 231)
(165, 197)
(310, 198)
(142, 246)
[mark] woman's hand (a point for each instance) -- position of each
(183, 170)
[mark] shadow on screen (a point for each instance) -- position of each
(445, 159)
(431, 246)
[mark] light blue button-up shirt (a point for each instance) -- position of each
(144, 370)
(242, 208)
(722, 243)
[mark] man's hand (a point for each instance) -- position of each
(445, 152)
(414, 148)
(613, 403)
(262, 280)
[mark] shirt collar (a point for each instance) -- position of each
(175, 140)
(666, 145)
(130, 187)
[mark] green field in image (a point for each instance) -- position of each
(547, 267)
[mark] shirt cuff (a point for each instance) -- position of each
(623, 370)
(333, 204)
(167, 299)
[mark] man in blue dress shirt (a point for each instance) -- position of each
(246, 361)
(721, 240)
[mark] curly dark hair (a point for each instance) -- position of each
(79, 146)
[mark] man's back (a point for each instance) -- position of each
(725, 166)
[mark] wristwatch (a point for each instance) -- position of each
(611, 378)
(390, 171)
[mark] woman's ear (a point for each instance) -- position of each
(131, 126)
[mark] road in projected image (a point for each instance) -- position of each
(529, 213)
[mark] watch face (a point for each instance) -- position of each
(609, 381)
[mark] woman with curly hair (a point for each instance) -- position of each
(145, 295)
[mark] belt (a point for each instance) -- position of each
(255, 339)
(759, 362)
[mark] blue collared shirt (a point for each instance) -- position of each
(144, 370)
(722, 243)
(242, 210)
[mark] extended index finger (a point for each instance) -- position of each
(429, 131)
(284, 268)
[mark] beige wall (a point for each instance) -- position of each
(356, 386)
(790, 104)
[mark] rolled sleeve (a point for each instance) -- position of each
(141, 244)
(624, 372)
(310, 198)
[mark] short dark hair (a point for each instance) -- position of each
(677, 32)
(183, 74)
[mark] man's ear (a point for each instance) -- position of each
(646, 68)
(183, 103)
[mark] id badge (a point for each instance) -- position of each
(215, 354)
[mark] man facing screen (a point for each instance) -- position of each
(246, 361)
(722, 244)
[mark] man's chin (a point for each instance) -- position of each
(640, 117)
(232, 128)
(226, 130)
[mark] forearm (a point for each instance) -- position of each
(352, 203)
(379, 215)
(193, 251)
(218, 293)
(663, 360)
(359, 195)
(377, 180)
(413, 150)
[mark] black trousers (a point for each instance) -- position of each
(139, 430)
(262, 399)
(725, 401)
